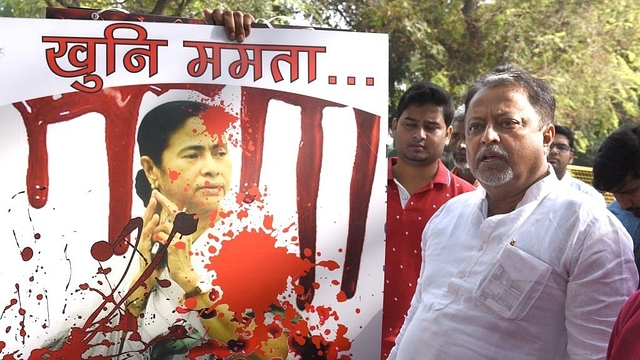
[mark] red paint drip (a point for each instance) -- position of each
(362, 175)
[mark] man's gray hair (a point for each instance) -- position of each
(538, 92)
(458, 115)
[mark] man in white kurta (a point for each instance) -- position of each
(521, 268)
(578, 265)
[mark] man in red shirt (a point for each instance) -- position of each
(418, 184)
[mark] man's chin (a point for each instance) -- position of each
(554, 165)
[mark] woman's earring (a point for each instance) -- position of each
(153, 186)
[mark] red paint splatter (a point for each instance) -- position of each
(288, 228)
(307, 252)
(267, 223)
(11, 303)
(101, 251)
(329, 264)
(217, 120)
(265, 270)
(174, 175)
(324, 313)
(27, 254)
(213, 216)
(191, 303)
(36, 236)
(164, 283)
(104, 271)
(242, 214)
(250, 195)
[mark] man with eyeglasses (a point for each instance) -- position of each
(560, 155)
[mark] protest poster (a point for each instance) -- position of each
(284, 134)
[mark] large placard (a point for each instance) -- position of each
(279, 209)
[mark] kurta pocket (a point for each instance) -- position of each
(511, 284)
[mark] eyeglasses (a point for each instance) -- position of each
(560, 147)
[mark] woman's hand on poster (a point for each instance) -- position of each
(179, 251)
(237, 24)
(151, 220)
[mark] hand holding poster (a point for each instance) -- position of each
(174, 193)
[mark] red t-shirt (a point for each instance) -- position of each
(403, 251)
(624, 343)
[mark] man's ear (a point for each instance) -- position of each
(394, 124)
(548, 133)
(570, 156)
(447, 136)
(150, 170)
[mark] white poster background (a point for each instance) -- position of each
(76, 213)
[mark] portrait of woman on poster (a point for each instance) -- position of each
(185, 169)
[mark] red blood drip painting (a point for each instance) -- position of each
(120, 108)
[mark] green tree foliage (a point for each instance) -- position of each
(589, 51)
(183, 8)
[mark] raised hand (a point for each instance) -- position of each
(237, 24)
(178, 256)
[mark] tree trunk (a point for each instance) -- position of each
(161, 7)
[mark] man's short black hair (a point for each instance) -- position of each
(617, 158)
(423, 93)
(563, 130)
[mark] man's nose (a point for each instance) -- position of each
(489, 135)
(419, 134)
(210, 166)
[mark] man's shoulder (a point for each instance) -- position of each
(585, 188)
(581, 184)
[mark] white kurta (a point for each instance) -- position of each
(583, 187)
(545, 281)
